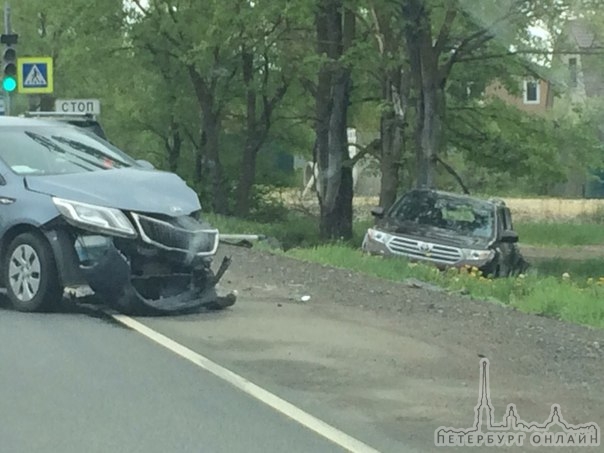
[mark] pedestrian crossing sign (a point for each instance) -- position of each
(35, 75)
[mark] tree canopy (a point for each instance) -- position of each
(224, 92)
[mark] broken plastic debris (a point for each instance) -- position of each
(305, 298)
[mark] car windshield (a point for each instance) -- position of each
(459, 215)
(58, 150)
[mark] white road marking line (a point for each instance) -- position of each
(304, 418)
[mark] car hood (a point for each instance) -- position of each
(129, 189)
(432, 234)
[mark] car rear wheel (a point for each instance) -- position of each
(30, 274)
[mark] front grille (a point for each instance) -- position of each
(424, 250)
(164, 234)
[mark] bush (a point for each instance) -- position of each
(266, 205)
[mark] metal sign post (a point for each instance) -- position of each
(8, 31)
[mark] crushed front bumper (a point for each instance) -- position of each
(442, 260)
(167, 269)
(111, 277)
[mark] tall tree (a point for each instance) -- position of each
(395, 84)
(266, 78)
(335, 28)
(204, 50)
(466, 29)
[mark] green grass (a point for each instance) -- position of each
(580, 269)
(544, 290)
(573, 299)
(560, 234)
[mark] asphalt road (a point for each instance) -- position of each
(73, 383)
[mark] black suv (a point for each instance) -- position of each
(448, 230)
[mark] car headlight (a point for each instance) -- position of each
(378, 236)
(95, 218)
(478, 255)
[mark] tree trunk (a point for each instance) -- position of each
(392, 124)
(432, 130)
(173, 146)
(210, 126)
(429, 84)
(199, 157)
(246, 182)
(391, 142)
(250, 151)
(334, 33)
(336, 211)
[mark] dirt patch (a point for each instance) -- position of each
(389, 363)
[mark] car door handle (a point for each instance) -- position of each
(6, 200)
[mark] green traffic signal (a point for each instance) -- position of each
(9, 84)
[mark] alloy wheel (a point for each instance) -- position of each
(24, 272)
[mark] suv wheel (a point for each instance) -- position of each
(30, 274)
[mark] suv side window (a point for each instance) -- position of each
(508, 218)
(501, 220)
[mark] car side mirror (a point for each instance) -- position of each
(145, 164)
(378, 212)
(509, 236)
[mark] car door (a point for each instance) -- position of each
(7, 196)
(506, 250)
(511, 256)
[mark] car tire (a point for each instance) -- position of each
(30, 274)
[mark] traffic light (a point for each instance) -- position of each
(9, 63)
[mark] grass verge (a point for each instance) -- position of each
(560, 234)
(569, 290)
(566, 297)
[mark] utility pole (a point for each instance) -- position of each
(7, 31)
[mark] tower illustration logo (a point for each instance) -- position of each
(513, 431)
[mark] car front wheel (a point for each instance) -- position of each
(30, 274)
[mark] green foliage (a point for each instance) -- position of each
(496, 139)
(138, 63)
(553, 296)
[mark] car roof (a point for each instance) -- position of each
(78, 123)
(459, 196)
(16, 121)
